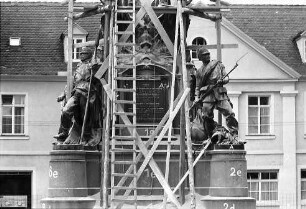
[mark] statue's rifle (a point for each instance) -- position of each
(89, 88)
(207, 92)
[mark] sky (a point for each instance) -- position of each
(276, 2)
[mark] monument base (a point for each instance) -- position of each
(68, 203)
(210, 202)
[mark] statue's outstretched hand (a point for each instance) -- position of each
(60, 98)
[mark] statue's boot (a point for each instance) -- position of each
(217, 137)
(61, 136)
(64, 129)
(93, 142)
(95, 137)
(237, 140)
(74, 135)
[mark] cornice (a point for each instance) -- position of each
(289, 93)
(33, 78)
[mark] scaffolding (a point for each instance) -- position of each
(118, 117)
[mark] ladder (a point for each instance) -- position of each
(123, 138)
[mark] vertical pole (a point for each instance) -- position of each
(106, 31)
(182, 150)
(104, 178)
(182, 137)
(219, 54)
(171, 106)
(187, 120)
(70, 45)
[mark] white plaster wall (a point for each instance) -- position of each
(253, 65)
(301, 118)
(32, 154)
(257, 74)
(43, 115)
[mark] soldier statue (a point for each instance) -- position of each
(210, 79)
(85, 87)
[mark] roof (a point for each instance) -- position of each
(40, 26)
(273, 27)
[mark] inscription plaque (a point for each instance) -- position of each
(152, 100)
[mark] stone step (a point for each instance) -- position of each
(210, 202)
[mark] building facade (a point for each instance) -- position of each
(268, 91)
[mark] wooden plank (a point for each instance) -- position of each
(204, 12)
(171, 107)
(219, 54)
(158, 25)
(108, 91)
(194, 163)
(213, 46)
(170, 9)
(152, 163)
(70, 50)
(149, 155)
(88, 43)
(107, 88)
(182, 140)
(89, 13)
(182, 154)
(103, 68)
(151, 138)
(187, 120)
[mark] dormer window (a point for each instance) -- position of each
(79, 36)
(76, 50)
(300, 40)
(15, 41)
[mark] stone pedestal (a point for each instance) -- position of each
(74, 174)
(227, 179)
(67, 174)
(93, 171)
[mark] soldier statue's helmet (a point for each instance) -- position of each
(86, 50)
(203, 51)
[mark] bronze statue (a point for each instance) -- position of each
(84, 103)
(210, 92)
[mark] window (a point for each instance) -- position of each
(300, 40)
(13, 113)
(14, 41)
(79, 36)
(303, 184)
(259, 115)
(263, 186)
(77, 50)
(197, 41)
